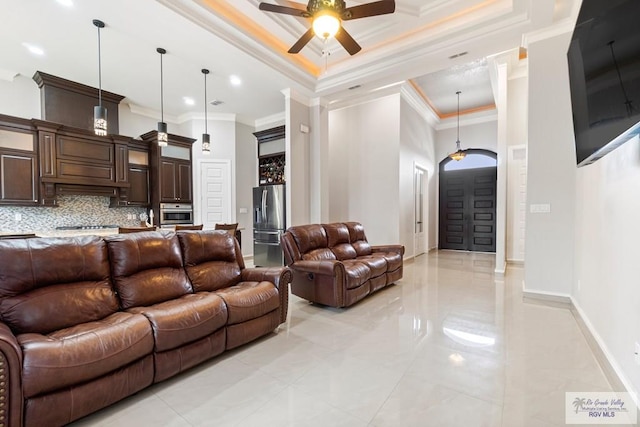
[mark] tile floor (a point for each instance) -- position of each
(450, 345)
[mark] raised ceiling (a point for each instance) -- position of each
(233, 37)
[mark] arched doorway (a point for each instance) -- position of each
(468, 202)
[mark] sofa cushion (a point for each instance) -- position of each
(309, 237)
(54, 283)
(249, 300)
(338, 241)
(147, 268)
(83, 352)
(183, 320)
(377, 264)
(210, 259)
(358, 238)
(357, 273)
(393, 259)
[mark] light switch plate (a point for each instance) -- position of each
(243, 210)
(540, 208)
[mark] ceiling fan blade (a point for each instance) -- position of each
(301, 12)
(302, 41)
(347, 41)
(376, 8)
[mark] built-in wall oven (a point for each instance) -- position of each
(175, 214)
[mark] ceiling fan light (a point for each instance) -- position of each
(326, 24)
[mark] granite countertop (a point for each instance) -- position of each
(62, 233)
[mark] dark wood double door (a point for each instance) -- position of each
(468, 209)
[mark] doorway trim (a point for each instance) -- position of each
(500, 195)
(197, 179)
(425, 208)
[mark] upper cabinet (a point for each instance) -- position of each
(18, 164)
(271, 156)
(170, 170)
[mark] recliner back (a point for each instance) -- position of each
(147, 268)
(54, 283)
(212, 259)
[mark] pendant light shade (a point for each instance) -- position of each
(206, 143)
(459, 154)
(99, 112)
(163, 137)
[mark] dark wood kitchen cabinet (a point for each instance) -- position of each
(175, 181)
(139, 179)
(18, 163)
(170, 170)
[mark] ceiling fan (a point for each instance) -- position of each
(327, 17)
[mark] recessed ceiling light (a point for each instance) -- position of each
(33, 49)
(235, 80)
(188, 100)
(68, 3)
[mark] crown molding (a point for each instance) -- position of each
(296, 96)
(469, 120)
(415, 101)
(150, 112)
(273, 120)
(557, 29)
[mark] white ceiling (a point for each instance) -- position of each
(233, 37)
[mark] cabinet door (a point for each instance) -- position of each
(184, 182)
(18, 177)
(168, 174)
(139, 190)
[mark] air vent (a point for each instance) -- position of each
(355, 87)
(216, 102)
(458, 55)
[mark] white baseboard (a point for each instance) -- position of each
(609, 365)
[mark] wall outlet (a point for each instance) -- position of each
(18, 217)
(637, 352)
(243, 210)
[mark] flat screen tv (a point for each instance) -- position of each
(604, 74)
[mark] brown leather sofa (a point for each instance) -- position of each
(333, 264)
(87, 321)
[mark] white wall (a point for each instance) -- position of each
(297, 168)
(517, 128)
(551, 170)
(477, 135)
(20, 98)
(606, 253)
(246, 178)
(417, 148)
(364, 167)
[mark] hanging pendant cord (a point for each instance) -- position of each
(161, 92)
(99, 71)
(458, 138)
(205, 103)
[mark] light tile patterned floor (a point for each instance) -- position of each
(450, 345)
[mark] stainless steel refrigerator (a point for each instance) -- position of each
(268, 225)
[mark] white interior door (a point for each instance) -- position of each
(420, 216)
(215, 192)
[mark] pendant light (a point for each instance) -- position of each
(206, 145)
(163, 138)
(459, 154)
(99, 112)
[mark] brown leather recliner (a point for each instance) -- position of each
(333, 264)
(86, 321)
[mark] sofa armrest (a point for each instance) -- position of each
(321, 281)
(388, 248)
(279, 276)
(328, 267)
(11, 396)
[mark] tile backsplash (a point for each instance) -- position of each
(71, 210)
